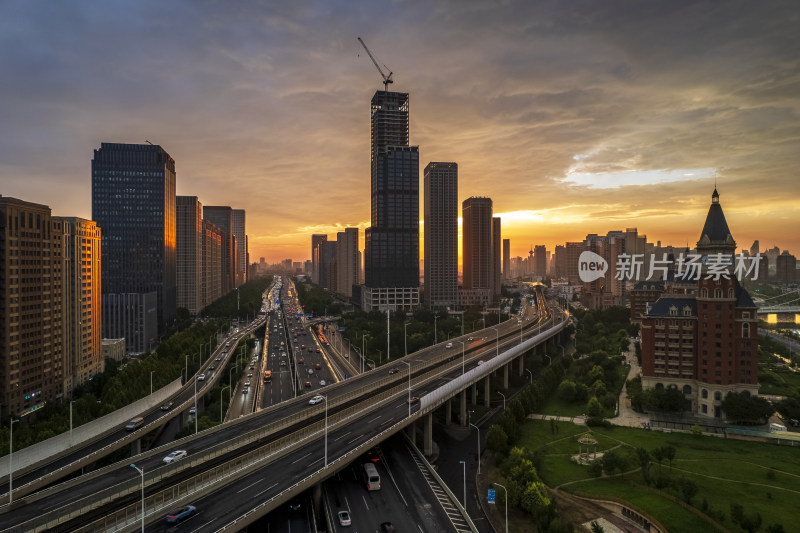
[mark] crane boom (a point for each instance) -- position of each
(386, 79)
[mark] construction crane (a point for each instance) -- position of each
(386, 79)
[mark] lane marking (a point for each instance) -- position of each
(343, 436)
(301, 458)
(265, 490)
(248, 486)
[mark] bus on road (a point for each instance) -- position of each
(267, 376)
(373, 479)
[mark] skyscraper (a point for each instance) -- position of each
(189, 224)
(347, 267)
(507, 259)
(222, 217)
(212, 263)
(316, 240)
(391, 243)
(239, 231)
(539, 261)
(497, 237)
(441, 234)
(31, 340)
(476, 231)
(133, 203)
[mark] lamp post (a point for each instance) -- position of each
(326, 429)
(463, 358)
(405, 338)
(562, 351)
(151, 381)
(70, 420)
(11, 461)
(479, 445)
(549, 360)
(221, 420)
(504, 400)
(141, 471)
(506, 499)
(462, 323)
(464, 468)
(195, 406)
(497, 330)
(435, 338)
(529, 373)
(520, 331)
(409, 386)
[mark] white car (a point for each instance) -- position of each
(177, 455)
(246, 383)
(193, 410)
(315, 400)
(322, 383)
(449, 345)
(201, 377)
(344, 518)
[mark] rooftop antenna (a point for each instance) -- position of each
(386, 79)
(148, 142)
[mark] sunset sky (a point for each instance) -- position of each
(575, 117)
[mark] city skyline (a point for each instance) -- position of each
(574, 119)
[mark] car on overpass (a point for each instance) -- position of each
(179, 515)
(344, 518)
(316, 399)
(166, 406)
(176, 455)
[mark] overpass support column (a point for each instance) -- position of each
(448, 414)
(487, 391)
(474, 394)
(412, 432)
(136, 447)
(316, 496)
(521, 360)
(505, 375)
(427, 437)
(463, 408)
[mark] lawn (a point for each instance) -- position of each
(764, 478)
(558, 407)
(777, 380)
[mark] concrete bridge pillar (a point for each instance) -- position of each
(505, 375)
(474, 389)
(317, 498)
(412, 432)
(427, 433)
(448, 415)
(521, 364)
(462, 415)
(136, 447)
(487, 391)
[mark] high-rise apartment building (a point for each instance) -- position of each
(133, 203)
(222, 217)
(507, 259)
(239, 231)
(316, 240)
(81, 312)
(347, 267)
(539, 261)
(31, 338)
(476, 234)
(189, 241)
(391, 243)
(786, 267)
(705, 343)
(441, 234)
(211, 285)
(497, 237)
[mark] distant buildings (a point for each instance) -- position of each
(391, 243)
(786, 268)
(189, 263)
(133, 202)
(348, 264)
(476, 231)
(441, 234)
(222, 217)
(703, 342)
(238, 228)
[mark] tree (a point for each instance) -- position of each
(688, 489)
(596, 527)
(496, 439)
(535, 499)
(669, 453)
(594, 408)
(744, 408)
(644, 463)
(696, 430)
(566, 390)
(658, 455)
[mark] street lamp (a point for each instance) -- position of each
(151, 381)
(464, 468)
(497, 330)
(479, 445)
(195, 406)
(504, 400)
(530, 373)
(221, 420)
(405, 337)
(326, 429)
(70, 420)
(549, 360)
(186, 365)
(435, 338)
(141, 471)
(506, 499)
(463, 358)
(409, 386)
(11, 461)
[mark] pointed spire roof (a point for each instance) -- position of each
(715, 230)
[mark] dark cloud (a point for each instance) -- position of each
(264, 102)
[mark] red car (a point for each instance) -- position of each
(308, 384)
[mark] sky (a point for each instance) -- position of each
(575, 117)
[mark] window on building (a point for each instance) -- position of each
(704, 292)
(704, 393)
(717, 396)
(746, 330)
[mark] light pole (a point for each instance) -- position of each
(11, 461)
(405, 338)
(221, 420)
(504, 400)
(363, 351)
(195, 406)
(435, 338)
(520, 331)
(562, 351)
(462, 323)
(479, 446)
(464, 468)
(530, 373)
(151, 381)
(326, 429)
(186, 365)
(549, 360)
(463, 357)
(506, 499)
(141, 471)
(70, 420)
(409, 386)
(497, 330)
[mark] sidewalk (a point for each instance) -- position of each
(627, 416)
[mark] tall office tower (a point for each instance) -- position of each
(133, 203)
(573, 254)
(222, 217)
(82, 344)
(31, 340)
(605, 291)
(316, 240)
(704, 344)
(476, 234)
(391, 243)
(441, 234)
(539, 261)
(497, 238)
(507, 259)
(327, 265)
(560, 261)
(347, 267)
(212, 263)
(785, 267)
(189, 241)
(241, 246)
